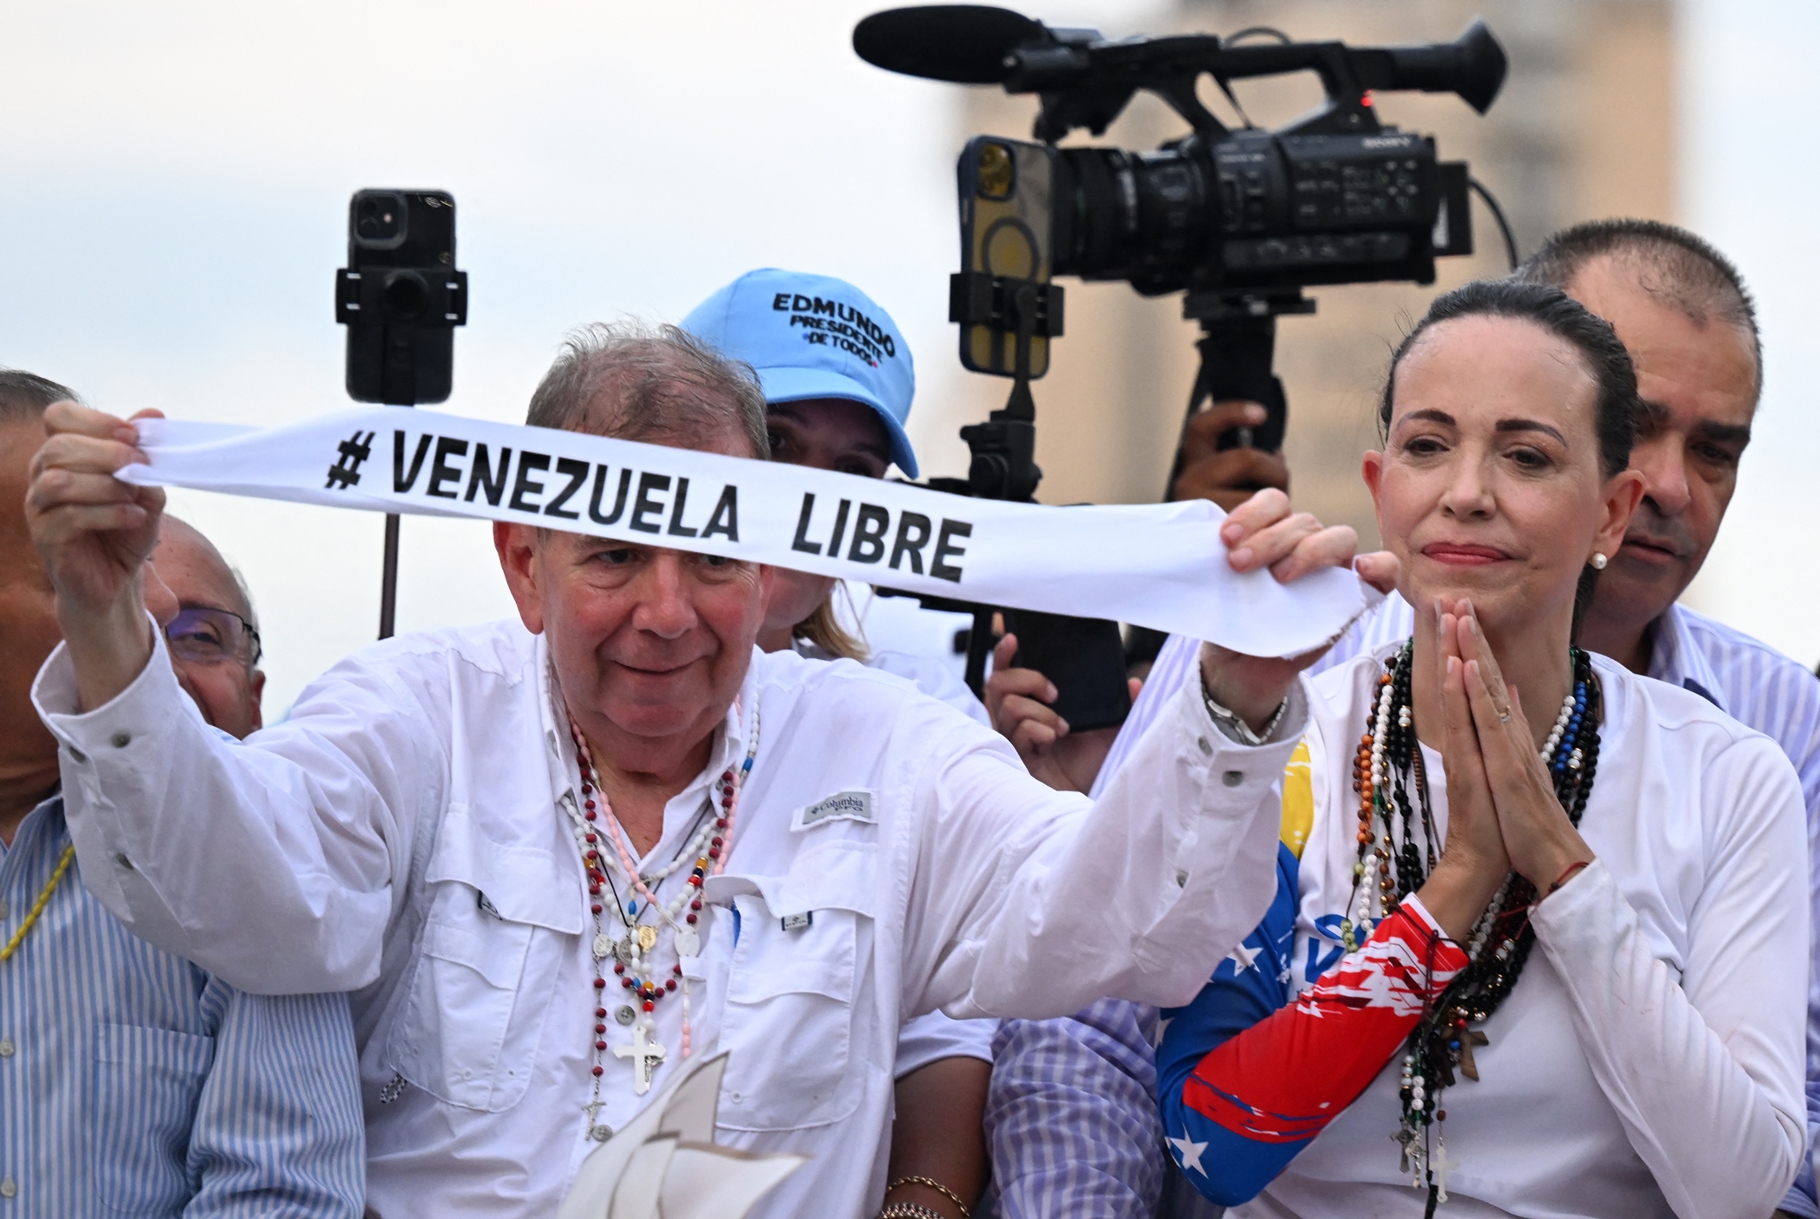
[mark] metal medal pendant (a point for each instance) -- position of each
(603, 945)
(600, 1133)
(647, 938)
(622, 951)
(688, 941)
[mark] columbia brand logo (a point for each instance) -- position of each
(841, 806)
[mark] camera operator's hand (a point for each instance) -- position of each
(1018, 701)
(94, 534)
(1263, 533)
(1228, 477)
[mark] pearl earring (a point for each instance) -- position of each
(1598, 561)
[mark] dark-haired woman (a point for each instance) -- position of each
(1539, 941)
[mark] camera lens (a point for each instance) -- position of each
(378, 217)
(1148, 217)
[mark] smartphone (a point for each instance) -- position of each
(1084, 657)
(1005, 232)
(401, 297)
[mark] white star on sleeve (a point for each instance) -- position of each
(1243, 957)
(1189, 1153)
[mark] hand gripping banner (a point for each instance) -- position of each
(1157, 565)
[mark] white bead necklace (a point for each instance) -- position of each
(1366, 908)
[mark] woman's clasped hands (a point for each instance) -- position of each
(1503, 814)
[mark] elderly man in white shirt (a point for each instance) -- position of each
(556, 856)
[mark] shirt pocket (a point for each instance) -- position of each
(791, 1001)
(147, 1085)
(485, 973)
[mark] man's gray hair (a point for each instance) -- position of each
(636, 381)
(24, 395)
(1676, 267)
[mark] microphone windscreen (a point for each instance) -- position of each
(963, 43)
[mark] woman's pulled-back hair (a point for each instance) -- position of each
(1615, 417)
(1618, 406)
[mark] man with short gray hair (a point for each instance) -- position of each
(555, 856)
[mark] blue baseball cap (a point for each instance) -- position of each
(813, 336)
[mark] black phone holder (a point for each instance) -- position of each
(411, 304)
(1004, 447)
(1004, 467)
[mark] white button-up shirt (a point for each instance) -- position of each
(403, 835)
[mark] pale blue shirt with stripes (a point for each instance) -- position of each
(133, 1083)
(1066, 1080)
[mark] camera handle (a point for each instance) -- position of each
(1238, 348)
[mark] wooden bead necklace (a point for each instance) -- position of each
(1397, 849)
(634, 954)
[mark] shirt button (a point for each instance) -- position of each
(121, 739)
(738, 1098)
(78, 754)
(1205, 747)
(8, 1188)
(1233, 778)
(1181, 880)
(7, 1047)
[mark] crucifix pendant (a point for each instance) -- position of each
(598, 1131)
(645, 1056)
(1438, 1165)
(1468, 1039)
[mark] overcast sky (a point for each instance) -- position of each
(173, 206)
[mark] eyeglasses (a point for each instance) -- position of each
(210, 636)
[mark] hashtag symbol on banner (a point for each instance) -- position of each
(355, 449)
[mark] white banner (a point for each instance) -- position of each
(1157, 565)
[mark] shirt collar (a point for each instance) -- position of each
(726, 752)
(1676, 660)
(44, 825)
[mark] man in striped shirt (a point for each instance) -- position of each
(1682, 310)
(131, 1081)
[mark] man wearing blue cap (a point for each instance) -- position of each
(838, 380)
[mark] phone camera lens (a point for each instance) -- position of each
(378, 218)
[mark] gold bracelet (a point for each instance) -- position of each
(909, 1210)
(935, 1185)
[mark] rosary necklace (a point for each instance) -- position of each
(634, 954)
(1398, 847)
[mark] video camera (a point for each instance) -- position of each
(1238, 220)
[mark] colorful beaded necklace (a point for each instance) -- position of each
(634, 951)
(1398, 842)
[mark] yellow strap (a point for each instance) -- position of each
(1298, 799)
(63, 865)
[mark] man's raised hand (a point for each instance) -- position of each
(94, 533)
(1228, 477)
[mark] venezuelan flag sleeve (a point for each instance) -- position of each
(1247, 1078)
